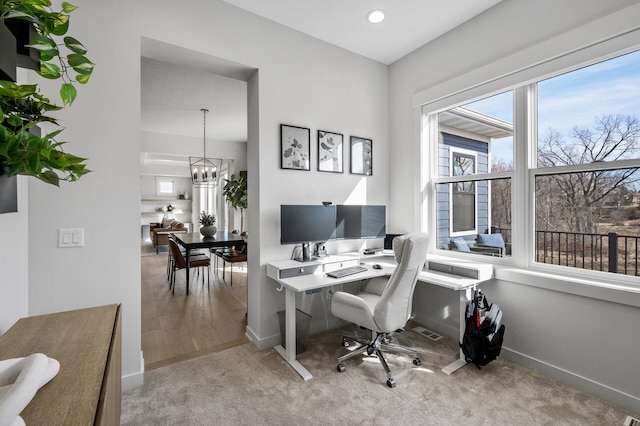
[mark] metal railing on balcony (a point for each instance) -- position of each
(599, 252)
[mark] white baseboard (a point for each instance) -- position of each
(262, 343)
(585, 384)
(615, 396)
(136, 379)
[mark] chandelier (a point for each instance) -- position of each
(203, 170)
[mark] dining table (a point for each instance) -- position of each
(195, 240)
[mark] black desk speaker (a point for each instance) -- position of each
(388, 241)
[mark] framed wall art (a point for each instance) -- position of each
(294, 147)
(361, 156)
(330, 152)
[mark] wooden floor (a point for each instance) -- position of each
(177, 327)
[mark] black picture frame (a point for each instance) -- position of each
(361, 156)
(330, 151)
(295, 147)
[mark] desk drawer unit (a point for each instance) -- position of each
(299, 271)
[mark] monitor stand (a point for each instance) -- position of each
(306, 255)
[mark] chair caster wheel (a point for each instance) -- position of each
(341, 368)
(345, 343)
(416, 361)
(391, 382)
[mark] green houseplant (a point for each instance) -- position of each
(235, 192)
(22, 107)
(207, 221)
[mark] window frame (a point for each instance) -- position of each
(453, 152)
(163, 180)
(524, 173)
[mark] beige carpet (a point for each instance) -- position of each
(244, 386)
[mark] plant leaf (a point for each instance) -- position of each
(80, 63)
(83, 78)
(49, 70)
(49, 177)
(74, 45)
(42, 43)
(68, 93)
(61, 25)
(68, 7)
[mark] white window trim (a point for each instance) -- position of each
(523, 177)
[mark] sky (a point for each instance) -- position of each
(573, 99)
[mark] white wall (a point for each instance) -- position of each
(580, 338)
(14, 262)
(300, 81)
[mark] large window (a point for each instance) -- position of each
(579, 170)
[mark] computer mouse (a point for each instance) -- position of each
(377, 266)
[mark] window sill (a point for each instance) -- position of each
(613, 292)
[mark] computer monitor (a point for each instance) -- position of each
(304, 224)
(360, 221)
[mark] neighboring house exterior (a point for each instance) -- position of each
(463, 208)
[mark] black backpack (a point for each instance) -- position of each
(484, 331)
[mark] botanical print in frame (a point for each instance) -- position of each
(361, 156)
(294, 147)
(330, 152)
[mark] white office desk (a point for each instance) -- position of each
(296, 277)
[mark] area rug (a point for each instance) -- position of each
(244, 386)
(147, 249)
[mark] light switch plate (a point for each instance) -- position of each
(70, 237)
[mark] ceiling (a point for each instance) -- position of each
(173, 95)
(409, 23)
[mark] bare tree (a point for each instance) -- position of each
(574, 200)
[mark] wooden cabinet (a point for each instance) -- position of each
(88, 345)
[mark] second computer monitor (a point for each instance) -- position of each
(360, 221)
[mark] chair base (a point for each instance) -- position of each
(378, 344)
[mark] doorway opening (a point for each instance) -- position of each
(175, 85)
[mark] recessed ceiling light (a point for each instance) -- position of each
(376, 16)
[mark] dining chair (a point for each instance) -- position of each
(194, 255)
(219, 251)
(180, 262)
(233, 256)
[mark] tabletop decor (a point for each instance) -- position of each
(207, 221)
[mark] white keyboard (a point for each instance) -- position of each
(339, 273)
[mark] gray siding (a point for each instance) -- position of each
(447, 142)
